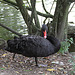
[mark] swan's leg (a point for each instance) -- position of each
(13, 56)
(36, 61)
(12, 59)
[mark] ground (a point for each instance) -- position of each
(56, 64)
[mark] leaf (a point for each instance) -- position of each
(42, 65)
(21, 62)
(60, 68)
(4, 55)
(23, 4)
(28, 70)
(0, 58)
(40, 72)
(50, 70)
(16, 71)
(2, 68)
(8, 66)
(55, 62)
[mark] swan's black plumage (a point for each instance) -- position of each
(33, 46)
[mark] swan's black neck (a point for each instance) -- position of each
(54, 41)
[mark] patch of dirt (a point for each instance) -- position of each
(56, 64)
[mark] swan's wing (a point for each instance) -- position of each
(35, 46)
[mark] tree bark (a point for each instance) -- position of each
(60, 17)
(34, 14)
(71, 29)
(24, 13)
(30, 9)
(71, 0)
(26, 16)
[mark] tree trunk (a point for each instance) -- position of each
(60, 18)
(34, 15)
(26, 17)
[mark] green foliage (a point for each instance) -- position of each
(72, 61)
(65, 45)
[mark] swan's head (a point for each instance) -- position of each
(44, 31)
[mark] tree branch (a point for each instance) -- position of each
(52, 6)
(34, 14)
(30, 9)
(10, 30)
(44, 7)
(41, 14)
(28, 2)
(71, 8)
(11, 3)
(33, 2)
(71, 0)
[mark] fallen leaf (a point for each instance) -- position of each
(42, 65)
(27, 70)
(49, 64)
(4, 55)
(54, 56)
(8, 66)
(65, 72)
(21, 62)
(50, 69)
(0, 58)
(2, 68)
(30, 69)
(16, 71)
(40, 72)
(60, 68)
(55, 62)
(61, 63)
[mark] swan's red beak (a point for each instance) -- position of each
(45, 34)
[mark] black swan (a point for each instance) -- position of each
(33, 46)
